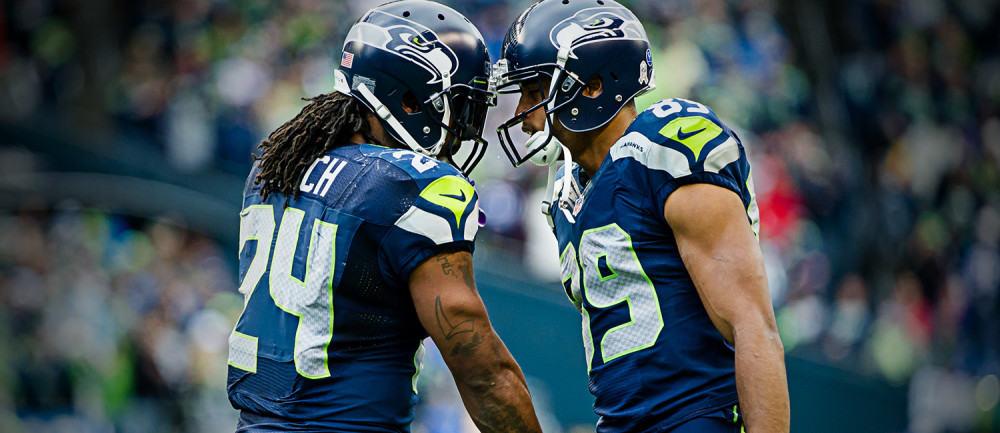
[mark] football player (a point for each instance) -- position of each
(656, 222)
(356, 240)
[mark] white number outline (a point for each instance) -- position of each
(676, 107)
(257, 224)
(281, 276)
(421, 163)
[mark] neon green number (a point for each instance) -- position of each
(311, 299)
(612, 275)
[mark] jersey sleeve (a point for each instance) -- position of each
(444, 215)
(678, 142)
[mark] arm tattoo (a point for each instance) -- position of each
(502, 418)
(446, 266)
(447, 328)
(470, 280)
(467, 348)
(463, 267)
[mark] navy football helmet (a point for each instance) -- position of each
(426, 55)
(572, 41)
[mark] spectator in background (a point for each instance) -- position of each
(883, 114)
(109, 321)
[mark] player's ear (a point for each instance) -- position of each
(410, 103)
(595, 86)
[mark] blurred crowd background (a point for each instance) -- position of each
(873, 128)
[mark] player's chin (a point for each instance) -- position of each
(451, 148)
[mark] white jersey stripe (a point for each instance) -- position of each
(472, 223)
(723, 155)
(650, 154)
(426, 224)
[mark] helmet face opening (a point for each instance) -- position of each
(572, 42)
(468, 107)
(551, 101)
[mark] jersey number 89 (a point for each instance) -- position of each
(612, 274)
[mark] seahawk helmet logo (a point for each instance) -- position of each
(596, 24)
(411, 41)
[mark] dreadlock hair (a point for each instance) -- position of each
(327, 122)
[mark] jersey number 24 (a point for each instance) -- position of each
(309, 299)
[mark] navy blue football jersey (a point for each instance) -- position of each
(653, 354)
(329, 339)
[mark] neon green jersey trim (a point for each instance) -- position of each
(598, 260)
(451, 192)
(418, 364)
(692, 131)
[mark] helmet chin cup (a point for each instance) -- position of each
(548, 148)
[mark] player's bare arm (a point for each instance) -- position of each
(490, 381)
(721, 253)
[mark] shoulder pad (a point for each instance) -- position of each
(446, 207)
(680, 137)
(421, 168)
(439, 183)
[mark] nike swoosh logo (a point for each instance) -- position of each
(459, 197)
(681, 135)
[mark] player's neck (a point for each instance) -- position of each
(377, 135)
(594, 145)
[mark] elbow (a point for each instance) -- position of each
(769, 329)
(774, 340)
(761, 331)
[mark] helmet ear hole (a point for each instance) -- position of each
(410, 103)
(594, 87)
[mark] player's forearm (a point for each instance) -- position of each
(501, 405)
(760, 379)
(495, 392)
(490, 381)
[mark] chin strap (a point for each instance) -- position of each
(383, 112)
(569, 189)
(567, 192)
(549, 197)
